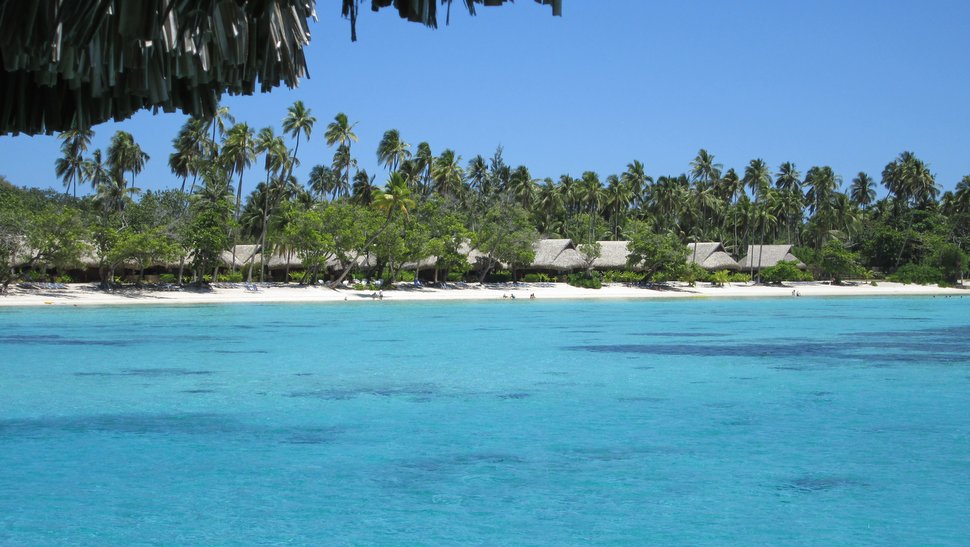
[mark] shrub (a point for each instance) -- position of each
(536, 278)
(622, 276)
(64, 279)
(166, 278)
(499, 276)
(297, 277)
(921, 274)
(584, 281)
(231, 277)
(407, 277)
(739, 277)
(455, 277)
(784, 271)
(952, 262)
(838, 262)
(720, 278)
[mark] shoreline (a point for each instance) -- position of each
(87, 294)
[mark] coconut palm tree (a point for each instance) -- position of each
(447, 176)
(341, 132)
(191, 146)
(298, 121)
(323, 182)
(523, 187)
(96, 171)
(477, 172)
(125, 156)
(218, 124)
(238, 154)
(550, 208)
(342, 162)
(757, 177)
(70, 166)
(363, 189)
(703, 170)
(423, 161)
(863, 191)
(617, 199)
(391, 151)
(637, 181)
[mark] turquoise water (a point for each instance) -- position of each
(805, 421)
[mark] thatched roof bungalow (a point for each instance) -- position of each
(766, 256)
(612, 256)
(711, 256)
(556, 255)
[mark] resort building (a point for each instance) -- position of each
(766, 256)
(711, 256)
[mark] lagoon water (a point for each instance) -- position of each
(795, 421)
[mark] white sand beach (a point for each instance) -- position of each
(88, 294)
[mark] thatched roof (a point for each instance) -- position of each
(70, 64)
(73, 64)
(612, 255)
(765, 256)
(556, 254)
(711, 256)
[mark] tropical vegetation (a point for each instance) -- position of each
(436, 206)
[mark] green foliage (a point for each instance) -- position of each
(506, 235)
(951, 261)
(720, 278)
(405, 276)
(622, 276)
(838, 262)
(740, 277)
(592, 281)
(167, 278)
(537, 278)
(231, 277)
(920, 274)
(499, 276)
(658, 255)
(455, 277)
(784, 271)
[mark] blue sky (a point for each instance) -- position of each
(845, 84)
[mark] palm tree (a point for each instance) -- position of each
(391, 151)
(364, 189)
(323, 181)
(822, 185)
(218, 124)
(591, 194)
(70, 167)
(788, 177)
(342, 161)
(523, 187)
(550, 208)
(298, 121)
(96, 171)
(238, 154)
(757, 177)
(638, 182)
(191, 145)
(703, 170)
(617, 199)
(423, 161)
(863, 191)
(961, 197)
(341, 132)
(729, 189)
(125, 156)
(447, 176)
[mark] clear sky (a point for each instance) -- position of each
(824, 82)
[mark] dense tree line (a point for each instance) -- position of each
(430, 204)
